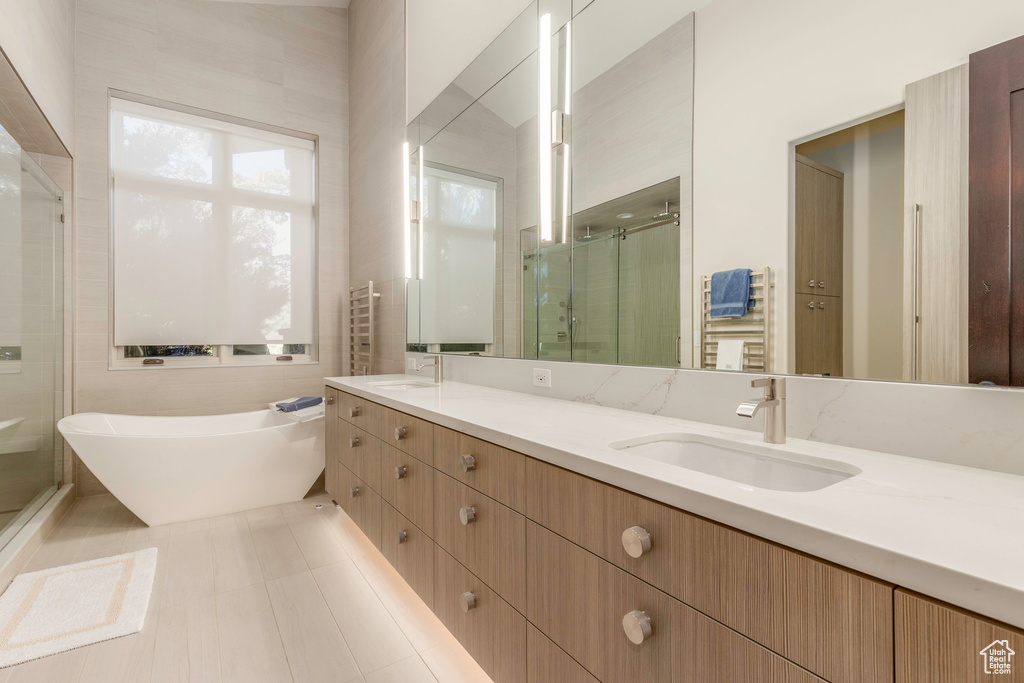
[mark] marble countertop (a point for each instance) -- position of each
(954, 533)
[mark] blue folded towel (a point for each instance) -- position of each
(730, 293)
(299, 404)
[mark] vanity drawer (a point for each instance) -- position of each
(410, 552)
(491, 469)
(360, 451)
(546, 662)
(579, 601)
(834, 622)
(408, 485)
(940, 643)
(484, 535)
(489, 628)
(408, 433)
(331, 428)
(704, 651)
(358, 411)
(360, 502)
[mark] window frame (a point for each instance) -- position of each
(223, 355)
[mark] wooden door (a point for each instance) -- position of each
(996, 285)
(819, 228)
(935, 237)
(819, 335)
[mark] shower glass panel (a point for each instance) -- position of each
(31, 337)
(613, 297)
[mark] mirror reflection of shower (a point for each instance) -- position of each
(612, 295)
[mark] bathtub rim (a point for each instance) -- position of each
(68, 428)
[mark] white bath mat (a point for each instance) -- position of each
(59, 609)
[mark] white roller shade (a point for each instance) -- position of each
(456, 293)
(213, 231)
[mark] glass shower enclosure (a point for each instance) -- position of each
(611, 297)
(31, 337)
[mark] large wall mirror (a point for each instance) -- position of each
(594, 189)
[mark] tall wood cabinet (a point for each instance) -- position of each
(546, 576)
(818, 267)
(935, 235)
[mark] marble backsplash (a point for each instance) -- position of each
(963, 425)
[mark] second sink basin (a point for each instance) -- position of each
(395, 385)
(759, 466)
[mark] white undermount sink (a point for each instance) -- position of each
(395, 385)
(759, 466)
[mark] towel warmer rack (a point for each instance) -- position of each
(361, 328)
(754, 329)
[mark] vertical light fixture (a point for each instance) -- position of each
(544, 127)
(566, 120)
(407, 210)
(420, 210)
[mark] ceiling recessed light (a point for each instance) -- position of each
(624, 216)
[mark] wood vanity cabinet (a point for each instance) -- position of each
(527, 565)
(939, 643)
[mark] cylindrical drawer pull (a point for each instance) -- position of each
(400, 433)
(468, 462)
(403, 536)
(821, 305)
(467, 515)
(354, 441)
(401, 472)
(468, 601)
(821, 283)
(637, 626)
(353, 492)
(353, 411)
(330, 400)
(810, 304)
(810, 283)
(636, 541)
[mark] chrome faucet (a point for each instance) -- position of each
(774, 404)
(437, 362)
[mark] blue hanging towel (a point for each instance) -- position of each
(299, 404)
(730, 293)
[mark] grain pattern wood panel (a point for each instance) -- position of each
(994, 74)
(492, 547)
(936, 181)
(360, 502)
(492, 632)
(578, 600)
(705, 651)
(407, 433)
(412, 494)
(364, 414)
(819, 335)
(331, 442)
(410, 552)
(819, 229)
(939, 643)
(547, 663)
(834, 622)
(361, 452)
(498, 472)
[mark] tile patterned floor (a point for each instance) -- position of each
(279, 594)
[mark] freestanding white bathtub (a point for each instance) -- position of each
(176, 469)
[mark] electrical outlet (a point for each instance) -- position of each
(410, 364)
(541, 378)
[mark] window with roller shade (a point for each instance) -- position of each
(213, 237)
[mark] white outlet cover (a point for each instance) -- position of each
(541, 377)
(410, 363)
